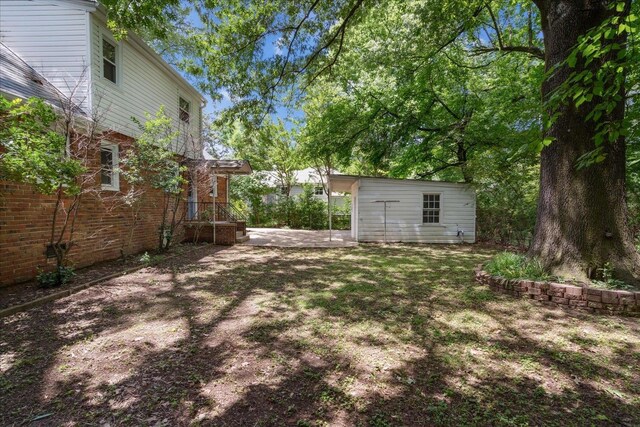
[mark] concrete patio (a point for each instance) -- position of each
(285, 238)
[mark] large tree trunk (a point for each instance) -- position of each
(582, 214)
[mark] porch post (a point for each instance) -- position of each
(329, 203)
(215, 207)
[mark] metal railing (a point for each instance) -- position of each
(227, 212)
(210, 211)
(199, 211)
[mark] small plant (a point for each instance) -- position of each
(148, 259)
(379, 420)
(516, 266)
(57, 277)
(607, 280)
(145, 258)
(605, 273)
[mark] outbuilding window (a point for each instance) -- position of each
(109, 167)
(109, 61)
(319, 191)
(431, 208)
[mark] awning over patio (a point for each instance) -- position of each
(342, 183)
(229, 167)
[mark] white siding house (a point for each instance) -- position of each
(67, 42)
(143, 83)
(308, 176)
(417, 211)
(52, 37)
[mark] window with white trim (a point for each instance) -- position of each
(184, 107)
(109, 177)
(319, 191)
(431, 208)
(109, 60)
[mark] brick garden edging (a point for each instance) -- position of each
(562, 295)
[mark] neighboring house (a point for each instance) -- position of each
(309, 176)
(62, 51)
(416, 211)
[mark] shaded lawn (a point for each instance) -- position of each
(371, 336)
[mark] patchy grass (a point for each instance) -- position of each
(367, 336)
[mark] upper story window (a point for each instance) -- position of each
(431, 208)
(109, 60)
(109, 178)
(319, 191)
(184, 109)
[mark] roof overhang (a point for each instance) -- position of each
(231, 167)
(342, 183)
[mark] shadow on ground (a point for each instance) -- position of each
(373, 335)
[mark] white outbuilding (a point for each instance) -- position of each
(408, 210)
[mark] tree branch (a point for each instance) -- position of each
(530, 50)
(290, 47)
(340, 32)
(440, 169)
(495, 26)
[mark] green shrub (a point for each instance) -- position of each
(516, 266)
(309, 212)
(58, 277)
(302, 211)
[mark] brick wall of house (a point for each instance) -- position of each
(103, 226)
(222, 189)
(204, 185)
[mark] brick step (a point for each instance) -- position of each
(241, 237)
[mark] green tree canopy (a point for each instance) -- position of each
(32, 151)
(270, 147)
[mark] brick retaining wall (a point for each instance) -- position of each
(566, 296)
(242, 226)
(225, 233)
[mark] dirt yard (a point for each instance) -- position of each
(360, 336)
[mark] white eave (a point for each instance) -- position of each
(88, 5)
